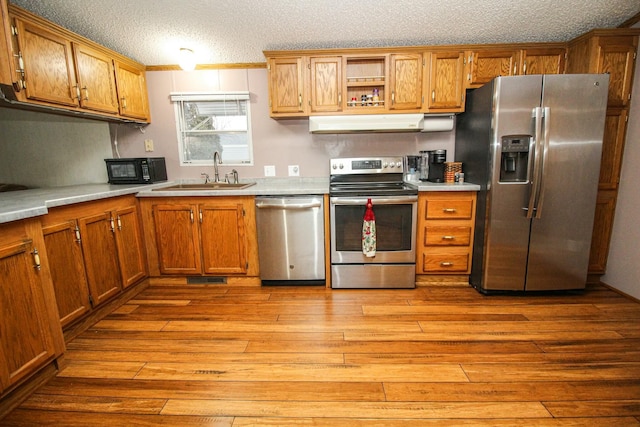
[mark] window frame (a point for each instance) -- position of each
(179, 98)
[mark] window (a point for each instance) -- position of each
(209, 122)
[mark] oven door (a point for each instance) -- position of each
(395, 229)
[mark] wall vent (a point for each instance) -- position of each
(202, 280)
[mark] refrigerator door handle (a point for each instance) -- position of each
(536, 147)
(545, 152)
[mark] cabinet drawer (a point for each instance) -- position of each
(447, 209)
(437, 235)
(445, 262)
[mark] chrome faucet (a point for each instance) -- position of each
(216, 161)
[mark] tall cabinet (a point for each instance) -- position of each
(612, 52)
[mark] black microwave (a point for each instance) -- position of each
(138, 170)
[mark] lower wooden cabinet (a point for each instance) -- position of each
(30, 335)
(445, 232)
(602, 226)
(95, 250)
(201, 235)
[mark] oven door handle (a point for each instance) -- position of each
(396, 200)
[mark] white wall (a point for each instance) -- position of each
(46, 150)
(623, 268)
(275, 142)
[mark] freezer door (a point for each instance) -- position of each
(507, 226)
(574, 108)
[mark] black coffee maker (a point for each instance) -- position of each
(437, 158)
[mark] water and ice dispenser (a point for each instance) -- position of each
(514, 160)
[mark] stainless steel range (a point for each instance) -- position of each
(394, 203)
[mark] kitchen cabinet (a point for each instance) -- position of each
(132, 91)
(7, 73)
(444, 81)
(405, 81)
(60, 69)
(287, 95)
(445, 232)
(366, 74)
(483, 65)
(31, 337)
(201, 236)
(95, 250)
(326, 83)
(542, 61)
(613, 52)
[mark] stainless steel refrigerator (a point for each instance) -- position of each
(533, 143)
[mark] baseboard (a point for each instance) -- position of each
(446, 280)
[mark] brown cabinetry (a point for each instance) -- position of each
(612, 52)
(542, 61)
(445, 232)
(31, 337)
(287, 96)
(58, 68)
(6, 71)
(405, 81)
(444, 88)
(325, 83)
(95, 250)
(196, 236)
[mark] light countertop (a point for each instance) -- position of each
(16, 205)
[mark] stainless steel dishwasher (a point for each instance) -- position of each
(291, 240)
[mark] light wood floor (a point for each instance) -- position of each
(216, 355)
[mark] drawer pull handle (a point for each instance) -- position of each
(449, 210)
(446, 264)
(448, 238)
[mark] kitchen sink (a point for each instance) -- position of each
(209, 186)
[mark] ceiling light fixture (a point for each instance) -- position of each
(187, 59)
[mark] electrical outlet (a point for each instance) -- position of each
(270, 170)
(148, 145)
(294, 170)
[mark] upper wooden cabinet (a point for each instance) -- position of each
(287, 95)
(542, 61)
(405, 81)
(325, 83)
(132, 91)
(444, 88)
(57, 68)
(6, 71)
(483, 65)
(607, 51)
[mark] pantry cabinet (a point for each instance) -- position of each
(445, 232)
(57, 68)
(443, 77)
(612, 52)
(201, 236)
(31, 337)
(95, 250)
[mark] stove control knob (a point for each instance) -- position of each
(334, 166)
(384, 165)
(398, 164)
(341, 166)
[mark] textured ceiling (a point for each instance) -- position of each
(237, 31)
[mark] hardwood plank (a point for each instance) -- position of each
(369, 422)
(355, 324)
(121, 325)
(160, 301)
(480, 336)
(546, 391)
(83, 369)
(298, 372)
(552, 372)
(100, 404)
(381, 410)
(99, 334)
(236, 390)
(532, 312)
(595, 408)
(218, 346)
(30, 418)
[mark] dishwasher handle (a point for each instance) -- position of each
(289, 206)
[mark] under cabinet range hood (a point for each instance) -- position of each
(366, 123)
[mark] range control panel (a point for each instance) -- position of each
(366, 165)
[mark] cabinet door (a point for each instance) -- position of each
(223, 230)
(485, 65)
(26, 343)
(602, 227)
(542, 61)
(616, 58)
(177, 239)
(129, 243)
(48, 65)
(131, 87)
(326, 83)
(100, 256)
(405, 81)
(7, 72)
(445, 87)
(615, 127)
(286, 86)
(64, 253)
(96, 79)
